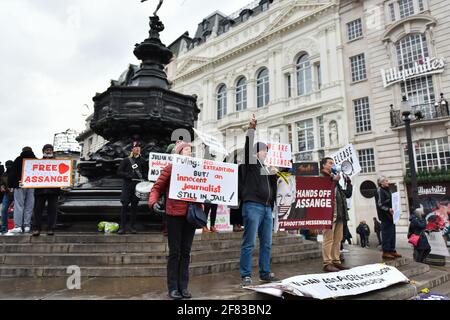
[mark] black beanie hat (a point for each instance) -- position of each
(47, 146)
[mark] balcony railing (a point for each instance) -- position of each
(430, 111)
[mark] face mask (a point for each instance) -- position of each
(46, 155)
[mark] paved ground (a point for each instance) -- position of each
(214, 286)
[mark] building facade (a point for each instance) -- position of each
(393, 49)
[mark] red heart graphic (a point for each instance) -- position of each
(63, 168)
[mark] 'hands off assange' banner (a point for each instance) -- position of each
(336, 284)
(312, 206)
(199, 180)
(46, 173)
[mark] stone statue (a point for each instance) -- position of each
(157, 8)
(333, 132)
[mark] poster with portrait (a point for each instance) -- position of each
(305, 202)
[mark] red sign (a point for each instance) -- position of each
(313, 205)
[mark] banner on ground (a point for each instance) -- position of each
(200, 180)
(336, 284)
(211, 142)
(348, 153)
(437, 244)
(46, 173)
(279, 155)
(311, 206)
(157, 162)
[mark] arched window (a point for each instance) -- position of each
(413, 49)
(262, 88)
(304, 75)
(221, 101)
(241, 94)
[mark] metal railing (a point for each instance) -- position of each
(429, 111)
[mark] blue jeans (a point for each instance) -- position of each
(257, 219)
(5, 204)
(388, 236)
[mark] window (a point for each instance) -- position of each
(205, 25)
(367, 160)
(245, 17)
(289, 85)
(431, 155)
(320, 124)
(226, 27)
(413, 49)
(392, 11)
(265, 6)
(304, 77)
(262, 88)
(221, 102)
(305, 132)
(421, 6)
(362, 115)
(319, 76)
(406, 8)
(358, 66)
(290, 134)
(241, 94)
(354, 29)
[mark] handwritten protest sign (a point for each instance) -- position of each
(279, 155)
(336, 284)
(200, 180)
(349, 154)
(312, 207)
(157, 162)
(212, 142)
(396, 206)
(437, 244)
(222, 219)
(46, 173)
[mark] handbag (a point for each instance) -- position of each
(196, 216)
(414, 239)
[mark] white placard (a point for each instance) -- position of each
(46, 173)
(279, 155)
(211, 142)
(336, 284)
(396, 206)
(222, 219)
(157, 162)
(437, 244)
(199, 180)
(348, 153)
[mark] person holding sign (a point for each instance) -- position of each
(257, 191)
(332, 237)
(133, 170)
(41, 196)
(180, 231)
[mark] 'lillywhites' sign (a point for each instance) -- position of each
(429, 66)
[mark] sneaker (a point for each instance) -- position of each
(269, 278)
(27, 230)
(16, 230)
(344, 251)
(246, 281)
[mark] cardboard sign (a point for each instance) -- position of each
(46, 173)
(157, 162)
(437, 244)
(222, 219)
(279, 155)
(211, 142)
(348, 153)
(306, 169)
(199, 180)
(336, 284)
(312, 203)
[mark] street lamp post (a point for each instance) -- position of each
(406, 116)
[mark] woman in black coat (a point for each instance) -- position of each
(417, 226)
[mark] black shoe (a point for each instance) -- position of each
(36, 233)
(133, 230)
(186, 294)
(175, 295)
(50, 232)
(121, 231)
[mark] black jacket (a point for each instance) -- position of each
(131, 176)
(252, 184)
(417, 226)
(15, 174)
(383, 198)
(363, 229)
(376, 226)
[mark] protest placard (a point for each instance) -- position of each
(396, 206)
(46, 173)
(222, 219)
(349, 154)
(199, 180)
(437, 244)
(312, 205)
(336, 284)
(212, 142)
(279, 155)
(157, 162)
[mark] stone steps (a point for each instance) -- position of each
(148, 270)
(93, 259)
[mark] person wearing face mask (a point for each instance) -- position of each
(332, 237)
(43, 196)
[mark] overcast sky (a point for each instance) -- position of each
(56, 54)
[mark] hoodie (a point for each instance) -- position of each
(15, 173)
